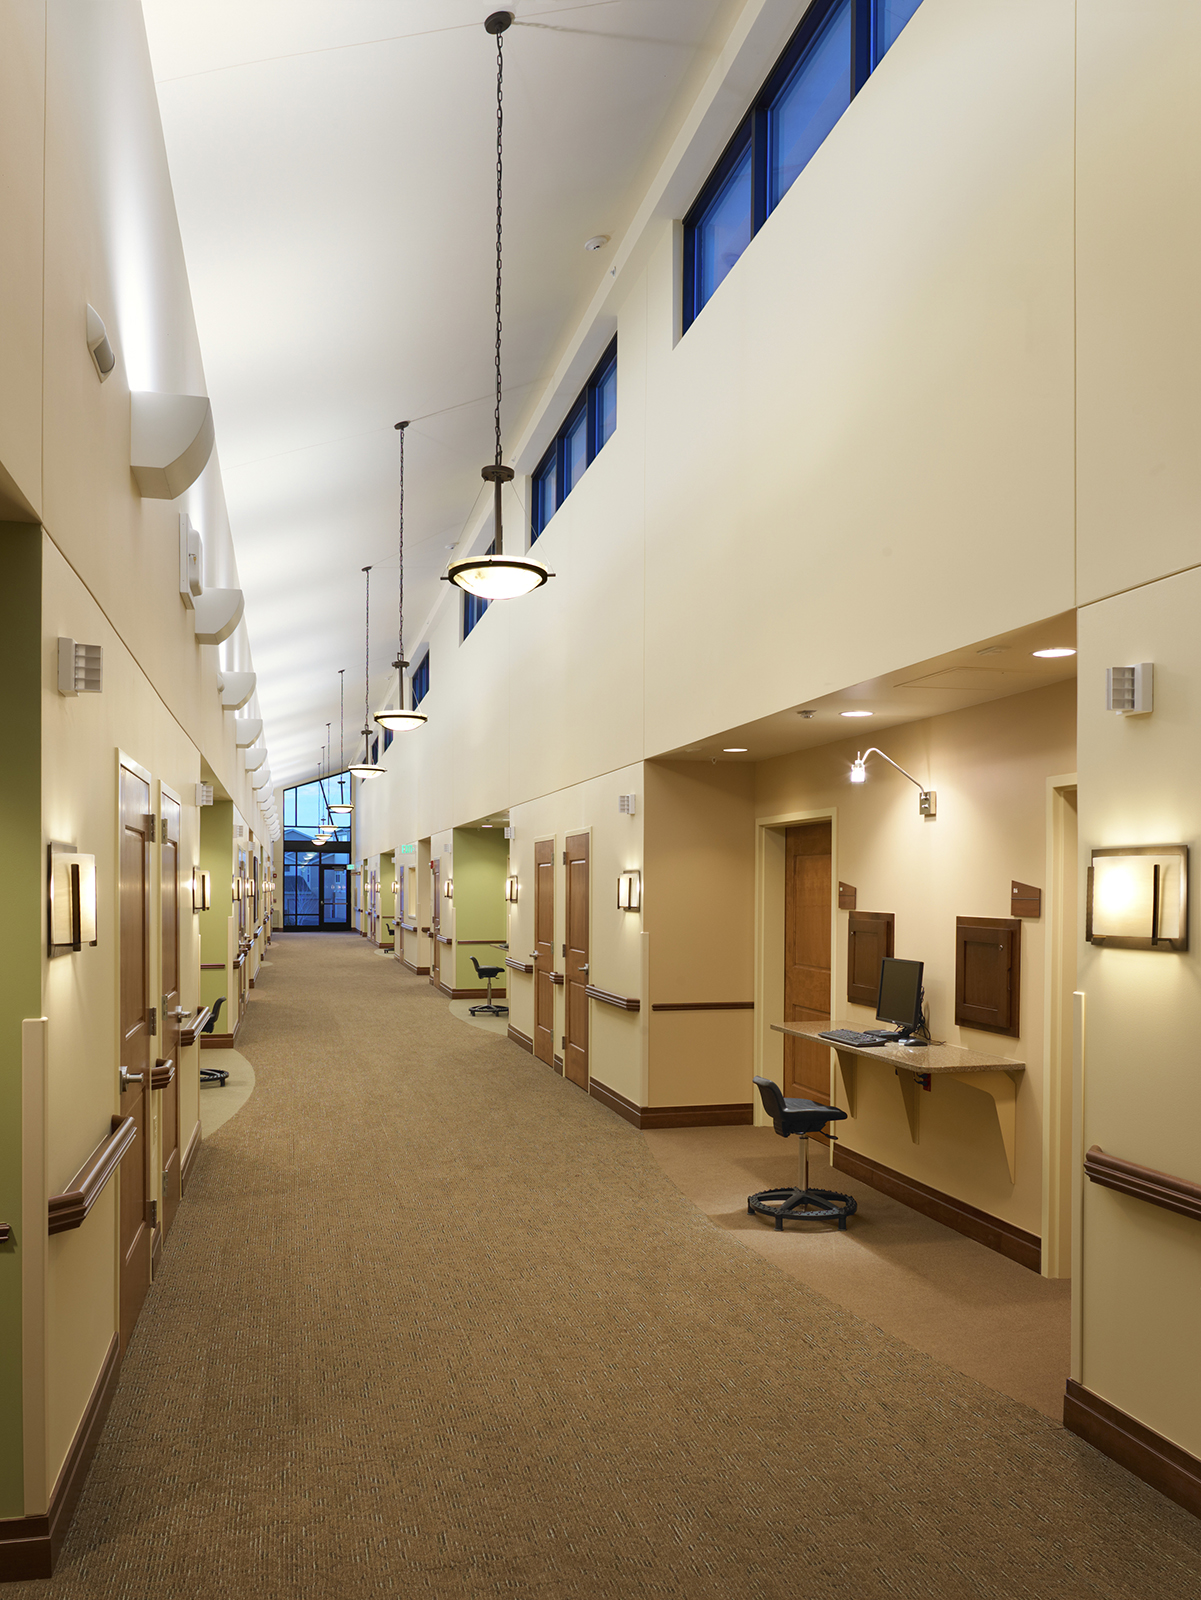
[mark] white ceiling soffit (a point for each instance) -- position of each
(334, 176)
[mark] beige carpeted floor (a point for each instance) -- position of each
(431, 1322)
(907, 1275)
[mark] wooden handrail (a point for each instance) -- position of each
(212, 966)
(557, 979)
(67, 1210)
(623, 1002)
(162, 1073)
(484, 941)
(239, 961)
(1144, 1183)
(519, 966)
(442, 939)
(703, 1005)
(191, 1030)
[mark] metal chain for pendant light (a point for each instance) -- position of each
(400, 618)
(367, 673)
(342, 718)
(500, 153)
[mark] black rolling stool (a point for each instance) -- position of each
(804, 1204)
(213, 1074)
(488, 973)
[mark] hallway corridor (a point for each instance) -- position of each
(432, 1322)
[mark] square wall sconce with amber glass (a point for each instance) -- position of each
(72, 919)
(448, 889)
(202, 890)
(629, 891)
(1138, 897)
(511, 890)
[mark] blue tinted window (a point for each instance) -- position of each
(387, 737)
(421, 680)
(575, 451)
(606, 406)
(474, 605)
(724, 230)
(891, 17)
(545, 492)
(810, 103)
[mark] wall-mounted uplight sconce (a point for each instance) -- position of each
(202, 890)
(927, 800)
(511, 890)
(72, 887)
(448, 889)
(395, 886)
(1138, 897)
(629, 891)
(237, 889)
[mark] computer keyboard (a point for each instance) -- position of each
(865, 1041)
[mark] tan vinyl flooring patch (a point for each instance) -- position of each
(431, 1322)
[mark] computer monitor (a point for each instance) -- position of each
(900, 997)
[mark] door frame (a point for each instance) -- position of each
(575, 833)
(153, 978)
(168, 1033)
(1060, 956)
(768, 1055)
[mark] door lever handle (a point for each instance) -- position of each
(533, 955)
(128, 1077)
(584, 966)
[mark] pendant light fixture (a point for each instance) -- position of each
(497, 576)
(342, 804)
(324, 829)
(400, 720)
(366, 768)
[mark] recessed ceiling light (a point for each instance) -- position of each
(735, 750)
(1059, 650)
(855, 713)
(807, 713)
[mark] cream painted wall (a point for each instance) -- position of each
(22, 119)
(1140, 783)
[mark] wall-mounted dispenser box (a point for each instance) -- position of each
(1138, 897)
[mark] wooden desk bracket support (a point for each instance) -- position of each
(1003, 1087)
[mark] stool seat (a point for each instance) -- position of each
(802, 1204)
(488, 1009)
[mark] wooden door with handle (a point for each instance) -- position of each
(135, 1043)
(172, 1011)
(575, 960)
(543, 953)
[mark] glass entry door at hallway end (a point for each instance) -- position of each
(335, 901)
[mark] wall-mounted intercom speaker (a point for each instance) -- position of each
(103, 356)
(625, 804)
(80, 667)
(1130, 691)
(239, 830)
(204, 794)
(510, 833)
(191, 562)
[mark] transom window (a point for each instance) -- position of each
(421, 680)
(829, 58)
(591, 423)
(474, 605)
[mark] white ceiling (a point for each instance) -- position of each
(333, 169)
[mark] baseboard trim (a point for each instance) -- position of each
(523, 1039)
(1145, 1453)
(156, 1252)
(736, 1115)
(1003, 1237)
(421, 972)
(471, 994)
(189, 1159)
(29, 1546)
(557, 1064)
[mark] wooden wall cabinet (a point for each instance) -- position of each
(988, 973)
(869, 940)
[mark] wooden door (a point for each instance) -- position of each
(544, 950)
(575, 961)
(168, 1047)
(807, 912)
(135, 1044)
(435, 923)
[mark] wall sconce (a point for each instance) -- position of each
(511, 890)
(237, 889)
(202, 890)
(448, 889)
(927, 800)
(72, 887)
(1138, 897)
(629, 891)
(395, 886)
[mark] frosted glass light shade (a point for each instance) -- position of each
(498, 577)
(364, 769)
(340, 805)
(401, 721)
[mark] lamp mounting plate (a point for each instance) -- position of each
(498, 22)
(494, 474)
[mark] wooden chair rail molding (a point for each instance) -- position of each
(623, 1002)
(703, 1005)
(67, 1210)
(212, 966)
(1144, 1183)
(194, 1027)
(493, 942)
(162, 1073)
(519, 966)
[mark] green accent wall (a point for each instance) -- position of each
(481, 861)
(217, 859)
(22, 888)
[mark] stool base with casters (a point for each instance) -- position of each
(213, 1074)
(488, 1009)
(801, 1204)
